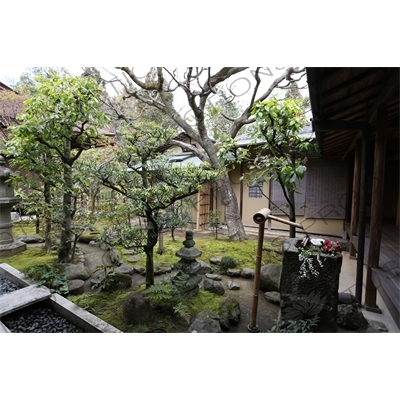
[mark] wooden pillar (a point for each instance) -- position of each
(355, 199)
(398, 209)
(376, 204)
(362, 215)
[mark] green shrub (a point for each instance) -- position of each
(51, 275)
(308, 325)
(228, 262)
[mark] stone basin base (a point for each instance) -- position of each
(30, 294)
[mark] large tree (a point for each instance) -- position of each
(150, 183)
(57, 124)
(199, 85)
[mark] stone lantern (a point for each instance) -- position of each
(8, 246)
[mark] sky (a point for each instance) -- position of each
(241, 84)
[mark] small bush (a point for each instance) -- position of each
(51, 275)
(228, 262)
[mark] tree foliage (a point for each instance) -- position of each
(281, 151)
(56, 125)
(150, 183)
(199, 85)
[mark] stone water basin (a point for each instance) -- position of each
(34, 304)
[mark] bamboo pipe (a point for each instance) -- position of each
(260, 218)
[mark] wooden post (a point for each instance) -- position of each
(362, 215)
(398, 209)
(355, 198)
(376, 205)
(259, 218)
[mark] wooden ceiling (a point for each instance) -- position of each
(345, 101)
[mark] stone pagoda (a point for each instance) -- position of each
(186, 281)
(8, 246)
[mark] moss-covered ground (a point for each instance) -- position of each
(109, 306)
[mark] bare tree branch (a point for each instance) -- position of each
(187, 146)
(245, 118)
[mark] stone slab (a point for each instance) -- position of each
(15, 276)
(12, 249)
(3, 328)
(21, 298)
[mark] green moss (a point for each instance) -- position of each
(204, 300)
(31, 256)
(88, 237)
(106, 306)
(245, 252)
(24, 228)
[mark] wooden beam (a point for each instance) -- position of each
(391, 87)
(376, 205)
(353, 144)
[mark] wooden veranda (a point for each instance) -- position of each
(356, 117)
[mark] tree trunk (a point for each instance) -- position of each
(160, 243)
(47, 232)
(149, 266)
(292, 214)
(64, 250)
(152, 238)
(232, 214)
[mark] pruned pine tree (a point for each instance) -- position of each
(150, 183)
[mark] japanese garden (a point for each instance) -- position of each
(172, 202)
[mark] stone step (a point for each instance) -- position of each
(21, 298)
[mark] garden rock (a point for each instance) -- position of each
(346, 298)
(130, 252)
(233, 285)
(206, 322)
(229, 312)
(115, 257)
(376, 327)
(76, 286)
(159, 271)
(349, 317)
(139, 270)
(104, 246)
(270, 276)
(124, 269)
(233, 272)
(216, 260)
(95, 280)
(215, 277)
(137, 309)
(187, 288)
(247, 273)
(273, 297)
(30, 239)
(134, 259)
(199, 268)
(121, 281)
(213, 286)
(76, 271)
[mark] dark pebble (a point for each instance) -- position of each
(6, 286)
(41, 320)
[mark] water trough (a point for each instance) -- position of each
(30, 297)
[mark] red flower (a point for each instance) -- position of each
(331, 247)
